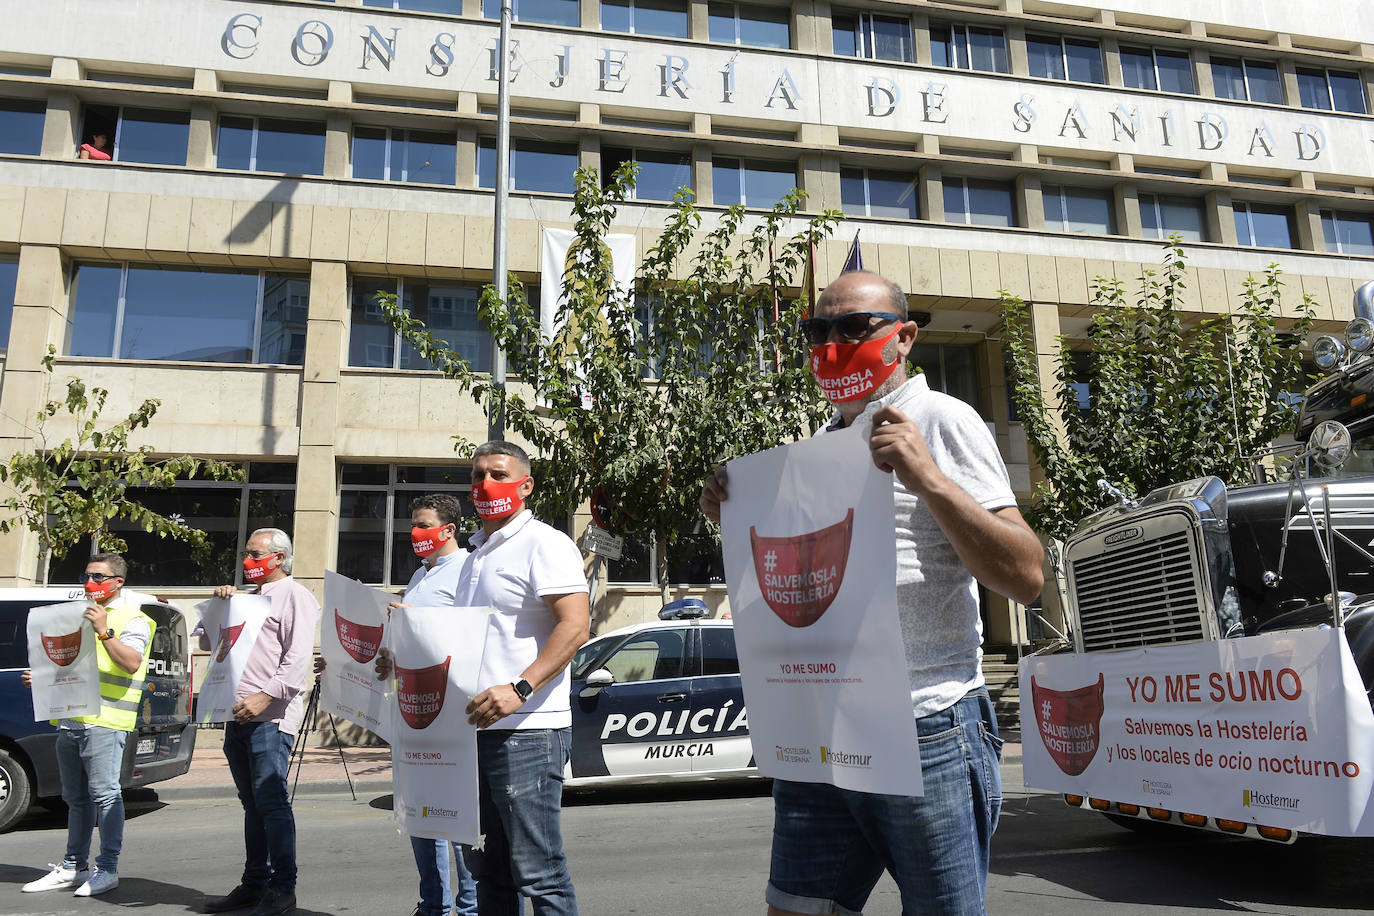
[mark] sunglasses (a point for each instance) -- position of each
(854, 327)
(97, 578)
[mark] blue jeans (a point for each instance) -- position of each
(259, 755)
(88, 762)
(831, 845)
(520, 794)
(432, 858)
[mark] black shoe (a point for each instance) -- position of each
(240, 898)
(275, 903)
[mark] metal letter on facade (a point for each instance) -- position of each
(375, 45)
(323, 39)
(441, 54)
(611, 67)
(673, 75)
(230, 43)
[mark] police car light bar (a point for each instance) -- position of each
(684, 609)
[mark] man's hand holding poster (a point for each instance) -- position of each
(66, 677)
(436, 654)
(352, 632)
(811, 566)
(1273, 730)
(232, 626)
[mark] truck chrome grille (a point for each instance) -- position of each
(1146, 594)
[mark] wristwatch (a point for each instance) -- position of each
(523, 689)
(108, 634)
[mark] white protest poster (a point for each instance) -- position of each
(437, 653)
(232, 626)
(1273, 730)
(66, 676)
(810, 561)
(352, 632)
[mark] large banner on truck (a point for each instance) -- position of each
(437, 653)
(812, 572)
(1273, 730)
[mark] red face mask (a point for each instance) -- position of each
(852, 371)
(99, 591)
(424, 541)
(253, 570)
(494, 499)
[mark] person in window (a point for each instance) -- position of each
(956, 522)
(98, 149)
(90, 749)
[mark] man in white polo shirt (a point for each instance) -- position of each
(533, 575)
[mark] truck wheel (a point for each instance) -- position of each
(15, 792)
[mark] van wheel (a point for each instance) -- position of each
(15, 791)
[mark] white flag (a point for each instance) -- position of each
(66, 676)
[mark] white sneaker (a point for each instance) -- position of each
(101, 881)
(60, 877)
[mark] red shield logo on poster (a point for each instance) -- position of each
(1070, 723)
(420, 693)
(800, 575)
(227, 637)
(63, 650)
(360, 642)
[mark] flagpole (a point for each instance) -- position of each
(496, 421)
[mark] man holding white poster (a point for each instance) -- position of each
(90, 748)
(956, 525)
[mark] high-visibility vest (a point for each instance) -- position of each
(121, 691)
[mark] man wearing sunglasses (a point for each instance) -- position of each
(267, 712)
(90, 749)
(956, 526)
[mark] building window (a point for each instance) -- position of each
(182, 313)
(745, 24)
(1244, 80)
(948, 368)
(1078, 60)
(374, 516)
(1151, 68)
(660, 173)
(547, 12)
(1163, 216)
(667, 18)
(1330, 90)
(1348, 233)
(451, 7)
(979, 202)
(141, 134)
(1263, 226)
(394, 154)
(692, 560)
(227, 512)
(449, 312)
(534, 166)
(872, 35)
(872, 192)
(21, 126)
(9, 279)
(271, 145)
(1079, 210)
(968, 47)
(752, 182)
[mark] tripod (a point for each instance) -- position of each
(307, 726)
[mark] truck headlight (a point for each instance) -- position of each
(1359, 334)
(1328, 353)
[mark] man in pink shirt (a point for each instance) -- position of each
(267, 714)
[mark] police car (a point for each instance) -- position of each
(660, 701)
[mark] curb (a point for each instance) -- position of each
(315, 787)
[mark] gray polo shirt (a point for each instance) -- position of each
(937, 598)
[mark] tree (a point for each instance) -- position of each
(76, 488)
(640, 392)
(1169, 400)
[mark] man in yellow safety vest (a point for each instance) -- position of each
(90, 749)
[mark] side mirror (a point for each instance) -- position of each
(1329, 444)
(597, 681)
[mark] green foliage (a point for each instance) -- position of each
(76, 488)
(636, 409)
(1170, 400)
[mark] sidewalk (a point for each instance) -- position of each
(320, 769)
